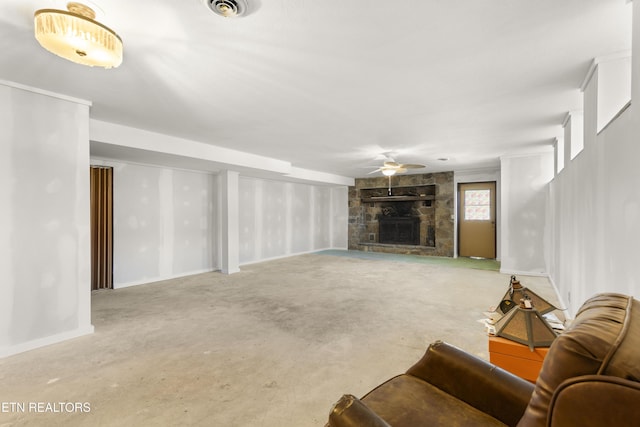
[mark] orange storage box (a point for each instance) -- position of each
(516, 358)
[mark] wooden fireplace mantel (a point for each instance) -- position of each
(398, 194)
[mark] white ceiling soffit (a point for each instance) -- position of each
(327, 86)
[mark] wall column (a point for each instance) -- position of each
(45, 296)
(229, 214)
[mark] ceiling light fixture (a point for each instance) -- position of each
(388, 172)
(227, 8)
(74, 34)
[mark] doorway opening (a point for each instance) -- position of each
(101, 181)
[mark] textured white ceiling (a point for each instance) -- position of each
(329, 85)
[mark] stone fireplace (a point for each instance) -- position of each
(416, 218)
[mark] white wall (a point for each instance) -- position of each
(340, 217)
(614, 88)
(595, 206)
(279, 219)
(44, 219)
(165, 222)
(595, 201)
(166, 219)
(524, 180)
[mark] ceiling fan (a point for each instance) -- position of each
(391, 167)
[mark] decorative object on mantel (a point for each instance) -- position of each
(517, 293)
(389, 211)
(74, 35)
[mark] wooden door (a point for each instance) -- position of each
(101, 227)
(477, 220)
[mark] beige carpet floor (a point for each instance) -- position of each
(274, 345)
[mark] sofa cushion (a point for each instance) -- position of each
(624, 362)
(585, 348)
(595, 400)
(407, 401)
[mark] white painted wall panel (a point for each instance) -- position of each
(303, 216)
(194, 222)
(44, 249)
(322, 218)
(595, 201)
(590, 109)
(249, 190)
(279, 219)
(524, 181)
(614, 89)
(137, 224)
(274, 220)
(165, 223)
(339, 217)
(620, 204)
(596, 214)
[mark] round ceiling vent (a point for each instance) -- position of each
(227, 8)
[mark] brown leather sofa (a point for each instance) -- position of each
(590, 377)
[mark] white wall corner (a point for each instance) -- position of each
(623, 54)
(229, 189)
(42, 342)
(45, 92)
(312, 176)
(118, 138)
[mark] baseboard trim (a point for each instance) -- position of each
(43, 342)
(565, 311)
(191, 273)
(161, 278)
(312, 251)
(524, 273)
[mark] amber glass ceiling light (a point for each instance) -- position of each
(76, 36)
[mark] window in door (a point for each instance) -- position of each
(477, 205)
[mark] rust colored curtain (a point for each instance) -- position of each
(101, 228)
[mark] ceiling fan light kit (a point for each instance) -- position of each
(391, 167)
(75, 35)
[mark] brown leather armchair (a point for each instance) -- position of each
(590, 377)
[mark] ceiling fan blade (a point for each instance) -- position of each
(401, 170)
(412, 166)
(374, 171)
(391, 164)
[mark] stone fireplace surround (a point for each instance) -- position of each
(435, 214)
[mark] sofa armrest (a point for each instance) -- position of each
(597, 400)
(475, 381)
(349, 411)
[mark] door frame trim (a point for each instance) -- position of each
(478, 176)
